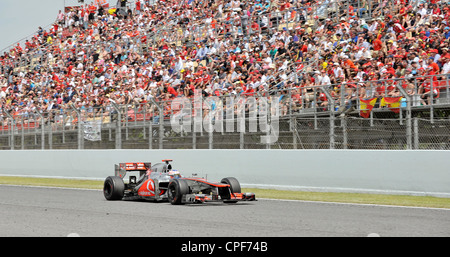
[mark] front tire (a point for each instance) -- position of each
(235, 187)
(176, 190)
(113, 188)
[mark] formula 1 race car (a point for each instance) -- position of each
(162, 183)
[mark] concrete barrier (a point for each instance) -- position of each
(385, 172)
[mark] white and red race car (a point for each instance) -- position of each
(162, 183)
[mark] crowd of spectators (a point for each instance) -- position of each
(161, 50)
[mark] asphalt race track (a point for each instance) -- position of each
(45, 212)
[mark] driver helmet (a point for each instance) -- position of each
(174, 174)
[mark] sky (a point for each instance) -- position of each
(20, 19)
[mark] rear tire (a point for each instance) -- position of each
(113, 188)
(176, 190)
(235, 187)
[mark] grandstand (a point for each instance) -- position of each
(346, 74)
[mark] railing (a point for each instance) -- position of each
(334, 105)
(294, 133)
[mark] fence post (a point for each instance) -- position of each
(161, 129)
(118, 126)
(22, 135)
(50, 136)
(332, 118)
(194, 140)
(161, 122)
(344, 131)
(210, 127)
(408, 116)
(431, 103)
(13, 124)
(80, 129)
(416, 133)
(127, 124)
(293, 129)
(241, 140)
(150, 133)
(42, 130)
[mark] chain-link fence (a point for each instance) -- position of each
(294, 132)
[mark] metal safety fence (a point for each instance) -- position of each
(295, 133)
(245, 122)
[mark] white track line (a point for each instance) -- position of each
(356, 204)
(265, 199)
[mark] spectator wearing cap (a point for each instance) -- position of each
(349, 66)
(447, 32)
(446, 65)
(434, 54)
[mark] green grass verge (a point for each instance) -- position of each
(400, 200)
(51, 182)
(384, 199)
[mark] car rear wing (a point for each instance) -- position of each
(121, 169)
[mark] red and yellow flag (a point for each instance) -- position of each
(366, 106)
(393, 103)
